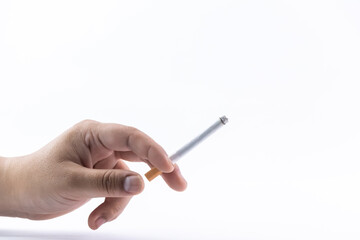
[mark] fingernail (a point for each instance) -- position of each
(100, 221)
(171, 164)
(132, 184)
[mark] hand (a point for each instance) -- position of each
(86, 161)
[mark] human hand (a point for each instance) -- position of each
(84, 162)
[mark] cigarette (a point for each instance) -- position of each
(154, 172)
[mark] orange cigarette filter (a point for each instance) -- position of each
(154, 172)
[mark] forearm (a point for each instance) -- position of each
(3, 182)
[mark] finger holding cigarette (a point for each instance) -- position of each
(154, 172)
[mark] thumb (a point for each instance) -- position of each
(92, 183)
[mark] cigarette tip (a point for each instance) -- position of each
(224, 120)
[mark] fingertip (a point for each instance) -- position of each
(180, 187)
(100, 221)
(96, 219)
(170, 167)
(109, 210)
(94, 224)
(182, 182)
(133, 184)
(161, 161)
(175, 180)
(183, 185)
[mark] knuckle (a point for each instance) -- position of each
(83, 130)
(133, 130)
(86, 123)
(82, 126)
(133, 133)
(109, 182)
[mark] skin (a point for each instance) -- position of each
(85, 162)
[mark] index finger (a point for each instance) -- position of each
(118, 137)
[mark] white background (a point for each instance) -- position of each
(286, 73)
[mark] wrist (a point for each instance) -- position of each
(9, 188)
